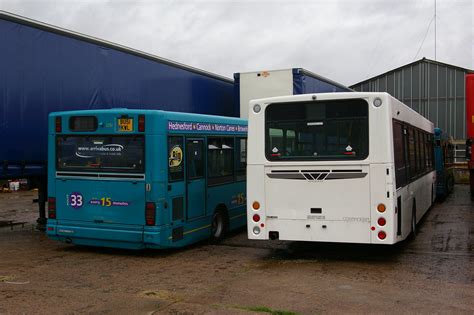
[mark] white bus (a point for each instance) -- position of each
(337, 167)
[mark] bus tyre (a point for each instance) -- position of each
(218, 226)
(413, 220)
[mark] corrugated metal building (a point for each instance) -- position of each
(434, 89)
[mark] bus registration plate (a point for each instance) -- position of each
(125, 124)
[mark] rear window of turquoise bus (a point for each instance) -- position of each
(112, 153)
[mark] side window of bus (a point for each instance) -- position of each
(421, 150)
(240, 158)
(195, 159)
(425, 152)
(417, 149)
(220, 166)
(398, 149)
(175, 158)
(431, 152)
(427, 148)
(411, 151)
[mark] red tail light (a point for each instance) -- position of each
(52, 208)
(382, 235)
(141, 123)
(59, 126)
(381, 221)
(150, 213)
(256, 218)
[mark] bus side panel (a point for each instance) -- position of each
(232, 196)
(424, 195)
(157, 175)
(381, 192)
(416, 193)
(51, 174)
(406, 206)
(175, 206)
(238, 211)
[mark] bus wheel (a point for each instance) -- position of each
(218, 226)
(413, 220)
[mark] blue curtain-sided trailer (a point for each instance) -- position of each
(46, 69)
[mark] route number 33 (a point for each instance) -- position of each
(76, 200)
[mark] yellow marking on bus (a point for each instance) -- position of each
(192, 231)
(207, 226)
(195, 230)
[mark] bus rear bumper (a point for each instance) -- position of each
(318, 231)
(123, 237)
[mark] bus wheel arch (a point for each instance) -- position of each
(220, 223)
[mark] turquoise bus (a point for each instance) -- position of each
(144, 178)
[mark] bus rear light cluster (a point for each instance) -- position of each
(381, 221)
(59, 124)
(256, 205)
(52, 208)
(382, 235)
(150, 213)
(256, 219)
(141, 123)
(381, 208)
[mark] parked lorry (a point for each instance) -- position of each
(470, 129)
(261, 84)
(45, 68)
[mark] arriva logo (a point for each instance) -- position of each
(86, 151)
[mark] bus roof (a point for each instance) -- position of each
(191, 117)
(414, 118)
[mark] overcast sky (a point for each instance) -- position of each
(347, 41)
